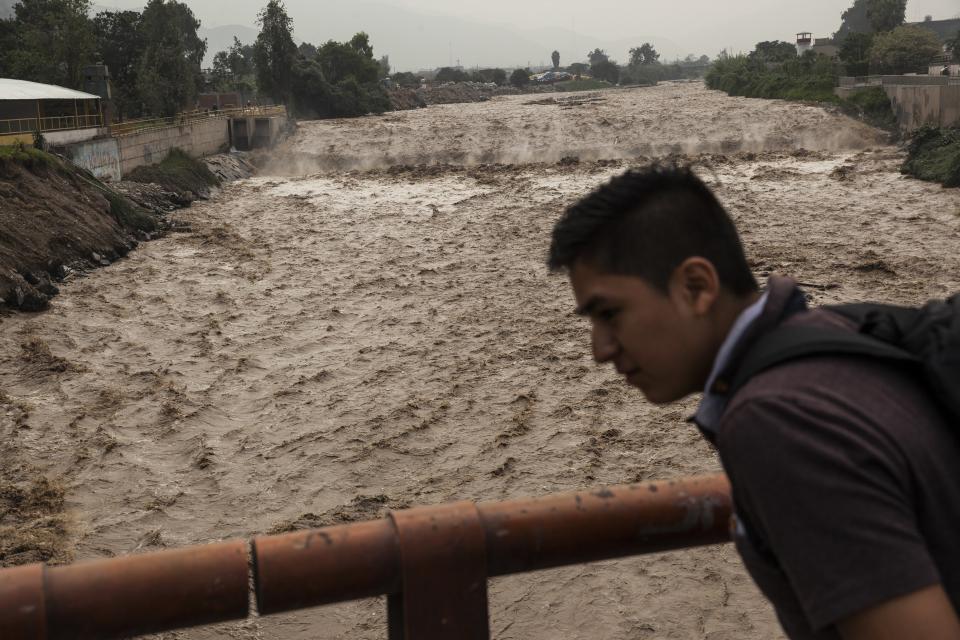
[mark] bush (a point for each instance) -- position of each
(177, 172)
(32, 159)
(606, 70)
(806, 78)
(127, 214)
(810, 78)
(498, 76)
(520, 77)
(872, 106)
(406, 79)
(934, 154)
(449, 74)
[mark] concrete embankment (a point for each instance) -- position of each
(916, 100)
(115, 157)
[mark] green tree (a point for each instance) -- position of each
(307, 50)
(597, 55)
(360, 43)
(233, 69)
(54, 40)
(406, 79)
(275, 52)
(168, 76)
(451, 74)
(854, 20)
(606, 70)
(954, 46)
(354, 59)
(120, 46)
(905, 49)
(643, 55)
(384, 64)
(8, 45)
(773, 51)
(555, 56)
(496, 76)
(854, 53)
(520, 78)
(886, 15)
(341, 80)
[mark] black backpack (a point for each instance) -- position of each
(926, 338)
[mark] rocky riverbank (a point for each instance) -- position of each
(57, 220)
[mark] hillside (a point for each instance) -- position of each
(53, 220)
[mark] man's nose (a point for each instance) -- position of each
(605, 346)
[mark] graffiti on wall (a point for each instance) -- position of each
(99, 157)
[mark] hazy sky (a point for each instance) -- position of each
(427, 33)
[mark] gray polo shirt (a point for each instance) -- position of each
(845, 478)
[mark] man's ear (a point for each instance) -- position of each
(695, 285)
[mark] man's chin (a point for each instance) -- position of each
(658, 396)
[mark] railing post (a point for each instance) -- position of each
(443, 566)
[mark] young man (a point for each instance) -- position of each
(844, 471)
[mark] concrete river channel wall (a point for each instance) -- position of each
(112, 158)
(916, 100)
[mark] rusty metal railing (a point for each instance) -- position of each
(131, 127)
(433, 564)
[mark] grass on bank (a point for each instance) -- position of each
(934, 154)
(28, 157)
(124, 211)
(177, 172)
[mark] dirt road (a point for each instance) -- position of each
(326, 344)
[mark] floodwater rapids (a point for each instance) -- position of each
(369, 324)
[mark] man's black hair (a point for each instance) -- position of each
(645, 223)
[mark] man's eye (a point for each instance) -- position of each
(607, 314)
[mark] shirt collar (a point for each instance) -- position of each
(714, 402)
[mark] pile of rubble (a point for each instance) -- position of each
(447, 93)
(159, 199)
(231, 166)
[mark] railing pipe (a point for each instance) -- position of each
(296, 570)
(558, 530)
(199, 585)
(323, 566)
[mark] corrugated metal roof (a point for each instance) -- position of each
(11, 89)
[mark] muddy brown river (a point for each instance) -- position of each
(369, 325)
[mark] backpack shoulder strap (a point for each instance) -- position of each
(791, 343)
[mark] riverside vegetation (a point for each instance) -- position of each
(934, 154)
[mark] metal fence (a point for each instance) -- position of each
(131, 127)
(432, 563)
(883, 81)
(55, 123)
(19, 126)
